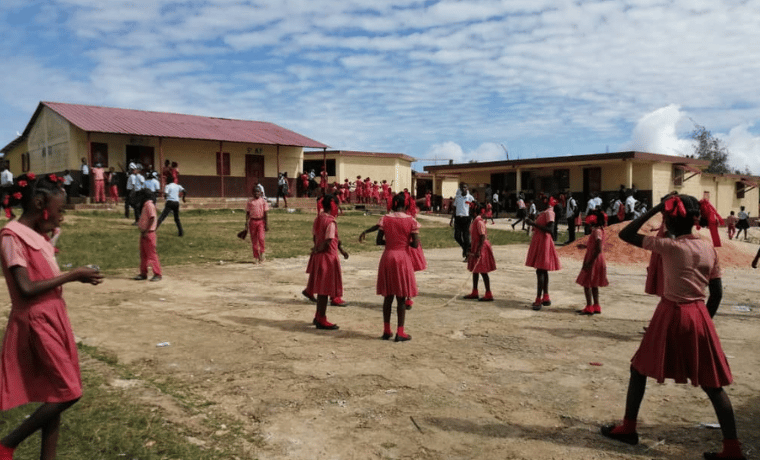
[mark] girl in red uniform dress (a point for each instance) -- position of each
(325, 277)
(681, 342)
(395, 274)
(542, 255)
(593, 274)
(480, 260)
(39, 361)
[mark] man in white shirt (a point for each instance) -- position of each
(135, 183)
(461, 218)
(630, 206)
(153, 185)
(571, 212)
(172, 192)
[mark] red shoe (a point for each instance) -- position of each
(322, 323)
(338, 302)
(546, 301)
(6, 453)
(597, 309)
(537, 304)
(472, 295)
(589, 310)
(486, 298)
(402, 337)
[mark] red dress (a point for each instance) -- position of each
(485, 263)
(681, 342)
(597, 275)
(395, 274)
(325, 277)
(542, 255)
(39, 361)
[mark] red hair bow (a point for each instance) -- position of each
(53, 177)
(674, 207)
(22, 183)
(30, 176)
(552, 202)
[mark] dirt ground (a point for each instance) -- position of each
(479, 380)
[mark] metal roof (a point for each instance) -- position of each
(92, 118)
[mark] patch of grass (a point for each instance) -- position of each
(110, 241)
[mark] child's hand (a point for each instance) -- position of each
(345, 254)
(362, 236)
(242, 234)
(89, 275)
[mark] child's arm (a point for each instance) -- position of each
(341, 250)
(415, 240)
(716, 294)
(597, 250)
(373, 228)
(548, 228)
(148, 225)
(28, 288)
(630, 234)
(266, 224)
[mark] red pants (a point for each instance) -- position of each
(100, 191)
(256, 230)
(148, 254)
(114, 191)
(731, 231)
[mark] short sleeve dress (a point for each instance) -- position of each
(39, 361)
(542, 255)
(486, 262)
(325, 277)
(681, 342)
(596, 276)
(395, 273)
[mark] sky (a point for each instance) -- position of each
(437, 80)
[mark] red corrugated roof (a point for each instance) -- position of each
(161, 124)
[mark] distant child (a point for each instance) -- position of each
(395, 273)
(147, 226)
(593, 274)
(256, 223)
(428, 201)
(731, 221)
(325, 276)
(98, 174)
(522, 211)
(489, 213)
(681, 342)
(542, 255)
(39, 358)
(112, 179)
(743, 223)
(480, 261)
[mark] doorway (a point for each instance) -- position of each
(254, 171)
(141, 154)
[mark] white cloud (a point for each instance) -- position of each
(745, 149)
(658, 132)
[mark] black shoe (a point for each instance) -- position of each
(386, 336)
(308, 296)
(156, 278)
(402, 339)
(140, 277)
(331, 327)
(628, 438)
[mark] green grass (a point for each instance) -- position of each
(107, 423)
(110, 241)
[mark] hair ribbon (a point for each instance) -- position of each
(674, 207)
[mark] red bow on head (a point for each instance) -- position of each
(591, 220)
(674, 207)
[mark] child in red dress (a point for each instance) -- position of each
(147, 225)
(256, 222)
(480, 260)
(731, 221)
(593, 275)
(681, 342)
(325, 277)
(39, 359)
(399, 232)
(542, 255)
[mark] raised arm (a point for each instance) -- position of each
(630, 233)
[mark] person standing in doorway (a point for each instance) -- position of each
(572, 214)
(282, 189)
(84, 184)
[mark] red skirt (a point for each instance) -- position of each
(325, 277)
(485, 263)
(681, 343)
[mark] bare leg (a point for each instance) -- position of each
(400, 310)
(637, 385)
(387, 306)
(475, 282)
(539, 283)
(587, 292)
(47, 418)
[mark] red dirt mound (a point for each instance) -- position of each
(620, 252)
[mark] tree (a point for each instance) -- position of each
(710, 148)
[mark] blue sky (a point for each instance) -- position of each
(432, 79)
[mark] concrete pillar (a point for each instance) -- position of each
(518, 180)
(628, 174)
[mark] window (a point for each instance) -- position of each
(562, 179)
(222, 163)
(740, 190)
(678, 176)
(25, 166)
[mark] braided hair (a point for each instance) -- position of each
(27, 187)
(399, 202)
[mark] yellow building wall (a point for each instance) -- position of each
(392, 169)
(13, 157)
(449, 186)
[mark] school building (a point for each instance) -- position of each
(217, 157)
(652, 175)
(395, 168)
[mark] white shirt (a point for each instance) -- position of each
(261, 188)
(6, 178)
(616, 207)
(135, 182)
(462, 203)
(571, 203)
(153, 185)
(85, 170)
(532, 210)
(495, 198)
(172, 191)
(591, 205)
(630, 204)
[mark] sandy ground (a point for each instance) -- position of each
(479, 380)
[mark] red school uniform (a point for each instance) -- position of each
(395, 273)
(681, 342)
(596, 276)
(38, 327)
(255, 208)
(485, 263)
(325, 276)
(542, 255)
(148, 253)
